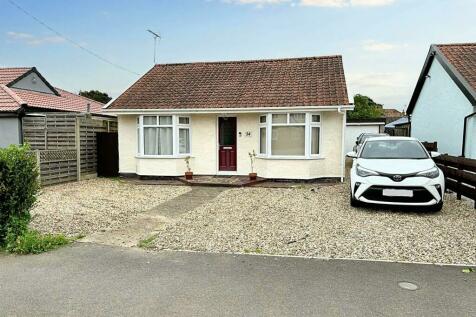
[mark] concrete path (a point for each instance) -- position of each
(147, 223)
(98, 280)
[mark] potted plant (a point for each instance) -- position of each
(252, 175)
(188, 173)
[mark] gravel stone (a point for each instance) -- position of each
(96, 205)
(321, 223)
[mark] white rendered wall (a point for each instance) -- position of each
(439, 112)
(205, 150)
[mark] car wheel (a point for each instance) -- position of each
(437, 207)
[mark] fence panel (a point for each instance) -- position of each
(57, 135)
(460, 175)
(57, 166)
(430, 146)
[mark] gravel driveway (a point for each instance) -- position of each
(320, 223)
(100, 204)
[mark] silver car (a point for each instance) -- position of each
(364, 136)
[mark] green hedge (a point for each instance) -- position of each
(19, 186)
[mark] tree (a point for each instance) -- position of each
(365, 108)
(96, 95)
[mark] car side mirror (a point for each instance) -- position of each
(351, 155)
(356, 142)
(435, 154)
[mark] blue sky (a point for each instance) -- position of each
(383, 42)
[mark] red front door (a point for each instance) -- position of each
(227, 143)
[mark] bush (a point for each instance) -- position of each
(19, 186)
(32, 241)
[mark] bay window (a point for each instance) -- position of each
(290, 135)
(163, 135)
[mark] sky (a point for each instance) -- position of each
(384, 43)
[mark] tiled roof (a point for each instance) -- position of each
(7, 75)
(392, 113)
(310, 81)
(65, 102)
(463, 58)
(8, 102)
(11, 99)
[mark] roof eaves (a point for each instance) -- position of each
(460, 81)
(346, 107)
(12, 94)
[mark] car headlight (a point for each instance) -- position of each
(363, 172)
(431, 173)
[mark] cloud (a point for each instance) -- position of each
(374, 46)
(388, 88)
(318, 3)
(257, 2)
(371, 3)
(324, 3)
(31, 39)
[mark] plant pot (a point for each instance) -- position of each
(189, 175)
(252, 176)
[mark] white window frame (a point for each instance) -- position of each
(261, 126)
(183, 126)
(308, 124)
(315, 125)
(175, 135)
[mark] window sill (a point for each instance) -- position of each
(283, 157)
(181, 156)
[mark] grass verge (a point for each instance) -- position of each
(33, 242)
(146, 243)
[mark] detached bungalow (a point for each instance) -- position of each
(443, 105)
(290, 112)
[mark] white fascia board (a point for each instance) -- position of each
(229, 110)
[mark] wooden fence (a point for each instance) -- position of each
(460, 175)
(65, 143)
(430, 146)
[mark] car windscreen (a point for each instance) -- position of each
(393, 149)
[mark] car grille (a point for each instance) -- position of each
(420, 195)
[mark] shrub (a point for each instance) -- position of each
(18, 188)
(32, 241)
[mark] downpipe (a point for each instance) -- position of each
(465, 127)
(342, 161)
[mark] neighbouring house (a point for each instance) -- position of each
(391, 115)
(443, 105)
(24, 91)
(356, 127)
(62, 128)
(290, 112)
(399, 127)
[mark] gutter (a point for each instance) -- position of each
(339, 108)
(466, 119)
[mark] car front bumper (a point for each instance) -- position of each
(426, 191)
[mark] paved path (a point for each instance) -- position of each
(98, 280)
(148, 222)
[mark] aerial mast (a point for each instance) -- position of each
(156, 36)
